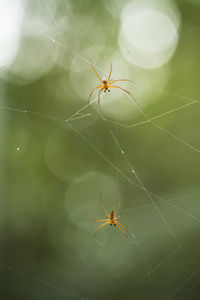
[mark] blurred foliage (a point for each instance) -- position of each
(53, 167)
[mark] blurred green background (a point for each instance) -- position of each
(58, 154)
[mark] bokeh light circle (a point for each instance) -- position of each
(28, 65)
(11, 15)
(148, 37)
(86, 190)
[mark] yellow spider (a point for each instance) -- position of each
(111, 219)
(106, 85)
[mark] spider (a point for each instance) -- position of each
(111, 219)
(106, 85)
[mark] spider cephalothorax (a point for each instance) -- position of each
(106, 85)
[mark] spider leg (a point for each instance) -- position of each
(117, 218)
(101, 205)
(96, 87)
(99, 94)
(102, 225)
(113, 81)
(106, 220)
(122, 226)
(124, 233)
(96, 73)
(110, 72)
(118, 87)
(138, 107)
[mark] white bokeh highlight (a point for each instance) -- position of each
(148, 36)
(11, 14)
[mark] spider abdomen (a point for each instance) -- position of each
(112, 217)
(105, 86)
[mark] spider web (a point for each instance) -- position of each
(163, 214)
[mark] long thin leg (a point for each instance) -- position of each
(117, 218)
(95, 88)
(124, 233)
(96, 73)
(133, 98)
(113, 81)
(122, 226)
(102, 225)
(110, 72)
(118, 87)
(99, 94)
(101, 205)
(106, 220)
